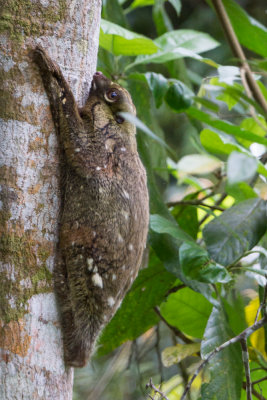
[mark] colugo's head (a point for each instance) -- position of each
(116, 97)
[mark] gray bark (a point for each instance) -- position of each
(31, 356)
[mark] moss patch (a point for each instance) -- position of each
(26, 257)
(27, 18)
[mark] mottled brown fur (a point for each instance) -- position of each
(104, 222)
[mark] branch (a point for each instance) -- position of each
(159, 353)
(242, 336)
(152, 386)
(173, 328)
(259, 380)
(194, 203)
(262, 305)
(238, 52)
(219, 201)
(245, 357)
(254, 392)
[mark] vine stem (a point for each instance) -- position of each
(242, 336)
(152, 386)
(238, 52)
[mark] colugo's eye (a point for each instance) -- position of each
(111, 95)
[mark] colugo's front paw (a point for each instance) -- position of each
(42, 59)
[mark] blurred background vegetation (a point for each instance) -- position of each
(177, 300)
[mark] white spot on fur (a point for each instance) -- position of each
(73, 243)
(98, 168)
(81, 256)
(95, 269)
(97, 280)
(64, 100)
(125, 214)
(90, 262)
(77, 150)
(114, 277)
(123, 149)
(111, 301)
(130, 247)
(126, 194)
(123, 267)
(120, 239)
(94, 234)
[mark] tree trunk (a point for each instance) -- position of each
(31, 356)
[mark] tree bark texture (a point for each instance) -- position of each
(31, 356)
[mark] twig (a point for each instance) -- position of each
(175, 289)
(173, 328)
(254, 392)
(158, 353)
(259, 380)
(238, 52)
(194, 203)
(249, 94)
(152, 386)
(245, 357)
(219, 201)
(138, 366)
(262, 305)
(242, 336)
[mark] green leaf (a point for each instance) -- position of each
(225, 368)
(251, 33)
(196, 264)
(178, 44)
(220, 143)
(174, 354)
(198, 164)
(228, 74)
(121, 41)
(141, 3)
(235, 231)
(235, 309)
(210, 105)
(140, 125)
(113, 12)
(225, 126)
(241, 191)
(136, 314)
(253, 126)
(186, 217)
(188, 311)
(161, 18)
(240, 167)
(155, 152)
(160, 224)
(176, 5)
(179, 97)
(158, 84)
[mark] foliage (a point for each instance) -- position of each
(207, 201)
